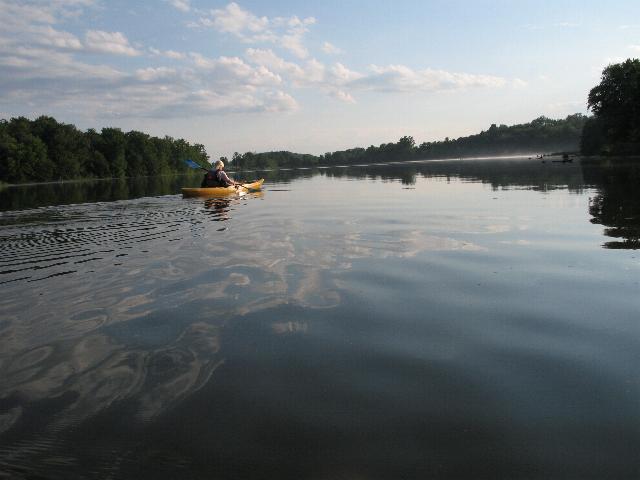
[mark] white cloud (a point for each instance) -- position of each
(61, 82)
(286, 32)
(25, 13)
(343, 75)
(151, 74)
(400, 78)
(182, 5)
(519, 83)
(292, 39)
(343, 96)
(235, 20)
(38, 11)
(31, 23)
(42, 68)
(109, 42)
(294, 44)
(201, 61)
(172, 54)
(294, 23)
(234, 70)
(340, 82)
(314, 71)
(267, 58)
(280, 101)
(635, 48)
(59, 39)
(331, 49)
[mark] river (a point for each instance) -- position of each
(456, 320)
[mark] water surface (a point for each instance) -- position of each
(474, 319)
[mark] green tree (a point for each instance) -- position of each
(139, 154)
(113, 148)
(67, 147)
(615, 102)
(593, 140)
(23, 155)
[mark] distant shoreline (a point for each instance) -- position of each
(532, 156)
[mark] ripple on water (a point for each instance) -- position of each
(96, 236)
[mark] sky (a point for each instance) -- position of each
(309, 77)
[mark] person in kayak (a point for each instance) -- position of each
(217, 177)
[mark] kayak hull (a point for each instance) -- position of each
(222, 191)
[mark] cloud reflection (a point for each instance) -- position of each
(147, 330)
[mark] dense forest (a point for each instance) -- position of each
(44, 149)
(614, 128)
(542, 135)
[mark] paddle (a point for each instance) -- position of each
(190, 163)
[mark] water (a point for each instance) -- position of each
(470, 319)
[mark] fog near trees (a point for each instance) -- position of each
(542, 135)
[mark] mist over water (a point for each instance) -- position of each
(469, 319)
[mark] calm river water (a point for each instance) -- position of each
(454, 320)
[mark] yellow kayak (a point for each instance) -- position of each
(222, 191)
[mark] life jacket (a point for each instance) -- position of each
(212, 179)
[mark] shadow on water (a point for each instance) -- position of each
(616, 205)
(23, 197)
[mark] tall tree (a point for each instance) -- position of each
(615, 102)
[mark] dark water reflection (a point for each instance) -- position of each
(441, 320)
(617, 202)
(90, 191)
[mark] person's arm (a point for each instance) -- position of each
(225, 178)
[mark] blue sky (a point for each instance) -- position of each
(305, 76)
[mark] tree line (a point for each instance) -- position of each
(45, 149)
(540, 135)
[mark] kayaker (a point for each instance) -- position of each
(217, 177)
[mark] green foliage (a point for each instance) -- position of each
(615, 102)
(593, 138)
(268, 160)
(541, 135)
(23, 156)
(44, 149)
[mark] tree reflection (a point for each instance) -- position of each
(617, 204)
(218, 208)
